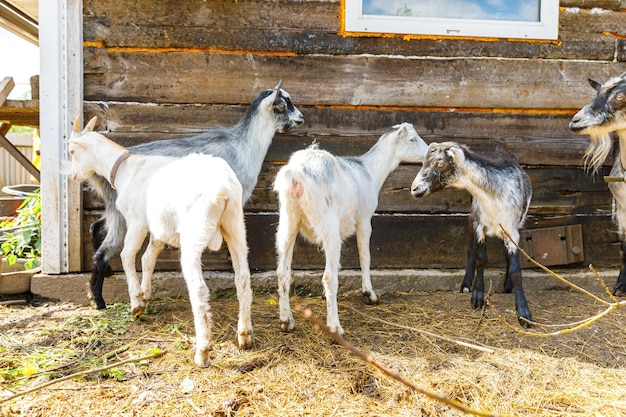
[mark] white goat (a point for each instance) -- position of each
(328, 199)
(191, 203)
(501, 193)
(243, 146)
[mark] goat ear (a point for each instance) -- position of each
(92, 123)
(594, 84)
(457, 155)
(76, 128)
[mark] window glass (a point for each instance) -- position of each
(527, 11)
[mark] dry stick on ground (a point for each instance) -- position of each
(318, 324)
(82, 373)
(572, 326)
(425, 332)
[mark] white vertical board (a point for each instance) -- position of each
(61, 96)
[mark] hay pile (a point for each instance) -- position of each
(304, 373)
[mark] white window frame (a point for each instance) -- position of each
(547, 28)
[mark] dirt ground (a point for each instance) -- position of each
(304, 373)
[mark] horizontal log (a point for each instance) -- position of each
(556, 191)
(419, 241)
(20, 112)
(536, 139)
(347, 80)
(187, 119)
(589, 4)
(312, 27)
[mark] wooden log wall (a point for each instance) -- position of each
(158, 69)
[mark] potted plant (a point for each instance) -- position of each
(20, 237)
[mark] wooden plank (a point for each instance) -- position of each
(346, 80)
(4, 128)
(322, 121)
(20, 112)
(536, 139)
(556, 191)
(397, 242)
(19, 157)
(6, 85)
(588, 4)
(19, 22)
(313, 28)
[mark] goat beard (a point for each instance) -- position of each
(599, 148)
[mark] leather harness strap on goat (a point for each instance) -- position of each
(116, 165)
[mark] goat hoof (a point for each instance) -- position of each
(523, 317)
(98, 304)
(619, 290)
(478, 300)
(287, 326)
(465, 289)
(370, 298)
(201, 359)
(138, 311)
(245, 340)
(522, 321)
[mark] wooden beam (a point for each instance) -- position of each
(4, 128)
(19, 157)
(19, 23)
(6, 85)
(20, 113)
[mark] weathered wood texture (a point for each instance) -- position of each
(408, 241)
(163, 69)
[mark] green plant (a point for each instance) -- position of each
(21, 237)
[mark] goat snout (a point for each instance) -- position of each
(286, 127)
(581, 121)
(575, 125)
(418, 190)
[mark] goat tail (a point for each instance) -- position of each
(115, 224)
(291, 182)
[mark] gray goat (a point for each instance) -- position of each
(602, 116)
(501, 193)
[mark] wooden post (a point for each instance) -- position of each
(61, 95)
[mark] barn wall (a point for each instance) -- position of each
(158, 69)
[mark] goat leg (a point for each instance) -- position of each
(521, 305)
(508, 282)
(620, 285)
(470, 268)
(478, 292)
(101, 267)
(97, 230)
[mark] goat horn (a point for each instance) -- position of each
(77, 125)
(276, 98)
(92, 123)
